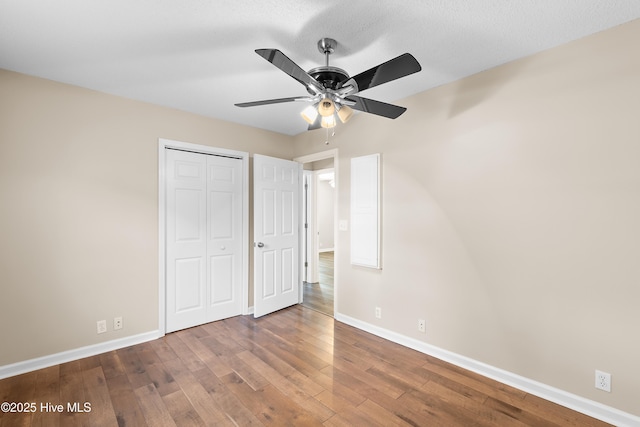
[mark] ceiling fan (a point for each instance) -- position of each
(333, 92)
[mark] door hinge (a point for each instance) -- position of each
(306, 264)
(306, 225)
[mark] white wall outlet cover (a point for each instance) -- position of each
(102, 326)
(343, 225)
(603, 381)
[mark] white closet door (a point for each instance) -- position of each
(224, 244)
(203, 238)
(186, 239)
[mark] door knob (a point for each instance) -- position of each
(260, 245)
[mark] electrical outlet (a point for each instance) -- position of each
(603, 381)
(102, 326)
(378, 313)
(117, 323)
(421, 325)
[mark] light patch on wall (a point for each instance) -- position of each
(329, 176)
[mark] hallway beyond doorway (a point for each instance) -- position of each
(319, 296)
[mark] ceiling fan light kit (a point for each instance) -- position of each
(332, 92)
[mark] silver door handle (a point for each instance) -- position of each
(260, 245)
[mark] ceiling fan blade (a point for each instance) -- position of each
(281, 61)
(393, 69)
(376, 107)
(273, 101)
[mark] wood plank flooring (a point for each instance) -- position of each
(319, 296)
(294, 367)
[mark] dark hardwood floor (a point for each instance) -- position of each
(319, 296)
(294, 367)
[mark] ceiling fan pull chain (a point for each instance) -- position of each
(333, 133)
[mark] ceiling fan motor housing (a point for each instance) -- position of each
(329, 77)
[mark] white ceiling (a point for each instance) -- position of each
(198, 55)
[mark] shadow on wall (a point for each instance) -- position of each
(474, 90)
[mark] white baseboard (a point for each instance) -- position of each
(18, 368)
(325, 250)
(561, 397)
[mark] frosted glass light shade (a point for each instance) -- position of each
(309, 114)
(326, 107)
(345, 113)
(328, 122)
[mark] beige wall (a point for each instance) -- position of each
(511, 216)
(79, 210)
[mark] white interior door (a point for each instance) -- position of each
(276, 194)
(203, 238)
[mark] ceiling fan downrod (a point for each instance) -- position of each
(326, 46)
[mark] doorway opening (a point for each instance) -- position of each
(319, 243)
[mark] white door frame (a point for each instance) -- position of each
(310, 272)
(328, 154)
(244, 156)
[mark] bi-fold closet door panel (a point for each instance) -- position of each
(203, 238)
